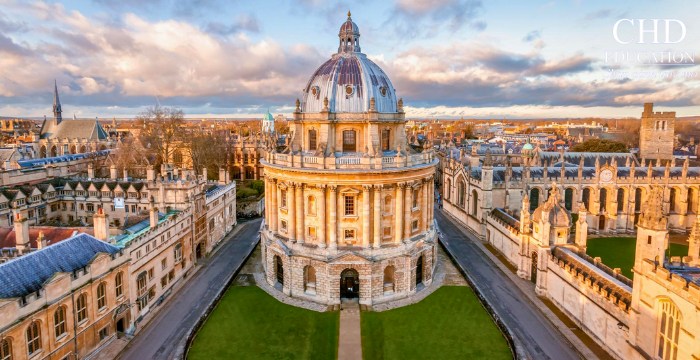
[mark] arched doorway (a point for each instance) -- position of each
(601, 222)
(419, 271)
(533, 268)
(198, 251)
(279, 270)
(349, 284)
(120, 326)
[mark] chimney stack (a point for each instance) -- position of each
(21, 233)
(90, 171)
(222, 176)
(153, 214)
(150, 173)
(113, 172)
(205, 174)
(101, 224)
(126, 175)
(40, 241)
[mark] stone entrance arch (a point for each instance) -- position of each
(419, 270)
(349, 284)
(279, 270)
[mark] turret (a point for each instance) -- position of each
(652, 230)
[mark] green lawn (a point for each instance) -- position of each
(448, 324)
(250, 324)
(618, 252)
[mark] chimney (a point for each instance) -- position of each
(101, 224)
(21, 233)
(648, 109)
(113, 172)
(150, 173)
(205, 174)
(126, 175)
(222, 176)
(91, 171)
(40, 241)
(153, 214)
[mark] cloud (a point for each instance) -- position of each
(599, 14)
(426, 18)
(532, 36)
(241, 23)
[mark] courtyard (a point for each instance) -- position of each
(250, 324)
(448, 324)
(618, 252)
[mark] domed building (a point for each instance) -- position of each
(349, 202)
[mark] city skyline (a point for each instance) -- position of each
(447, 58)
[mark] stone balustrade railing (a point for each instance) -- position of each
(351, 162)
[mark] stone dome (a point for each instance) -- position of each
(557, 215)
(349, 80)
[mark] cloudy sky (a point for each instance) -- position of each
(470, 58)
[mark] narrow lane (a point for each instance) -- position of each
(538, 337)
(163, 333)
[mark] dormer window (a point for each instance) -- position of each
(315, 91)
(383, 91)
(349, 90)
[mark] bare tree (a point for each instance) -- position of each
(161, 130)
(206, 148)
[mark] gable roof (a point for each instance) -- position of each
(73, 129)
(29, 273)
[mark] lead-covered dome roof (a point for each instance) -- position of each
(349, 80)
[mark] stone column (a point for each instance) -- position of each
(322, 217)
(291, 212)
(275, 209)
(426, 208)
(377, 216)
(398, 214)
(299, 194)
(407, 208)
(333, 228)
(268, 199)
(365, 216)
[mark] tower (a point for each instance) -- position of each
(652, 232)
(656, 134)
(56, 105)
(268, 123)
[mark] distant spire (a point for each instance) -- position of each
(56, 104)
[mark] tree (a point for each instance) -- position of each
(160, 134)
(206, 149)
(600, 145)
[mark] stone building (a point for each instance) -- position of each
(657, 134)
(63, 301)
(348, 201)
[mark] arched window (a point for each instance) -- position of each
(672, 200)
(81, 307)
(620, 200)
(414, 198)
(349, 141)
(692, 201)
(534, 199)
(59, 321)
(603, 198)
(668, 328)
(119, 281)
(310, 280)
(311, 205)
(42, 151)
(386, 133)
(389, 279)
(448, 189)
(83, 149)
(569, 199)
(461, 188)
(101, 296)
(5, 349)
(177, 157)
(54, 151)
(475, 202)
(73, 149)
(312, 140)
(638, 194)
(586, 198)
(33, 337)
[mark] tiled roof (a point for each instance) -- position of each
(74, 129)
(52, 234)
(27, 274)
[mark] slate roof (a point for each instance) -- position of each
(52, 234)
(29, 273)
(58, 159)
(73, 129)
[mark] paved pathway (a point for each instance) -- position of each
(349, 339)
(533, 333)
(163, 337)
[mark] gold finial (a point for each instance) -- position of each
(348, 14)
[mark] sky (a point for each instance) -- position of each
(446, 58)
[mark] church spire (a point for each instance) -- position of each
(56, 104)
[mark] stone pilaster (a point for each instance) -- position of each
(322, 217)
(333, 221)
(365, 216)
(398, 214)
(377, 211)
(291, 212)
(299, 202)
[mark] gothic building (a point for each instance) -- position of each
(348, 200)
(657, 134)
